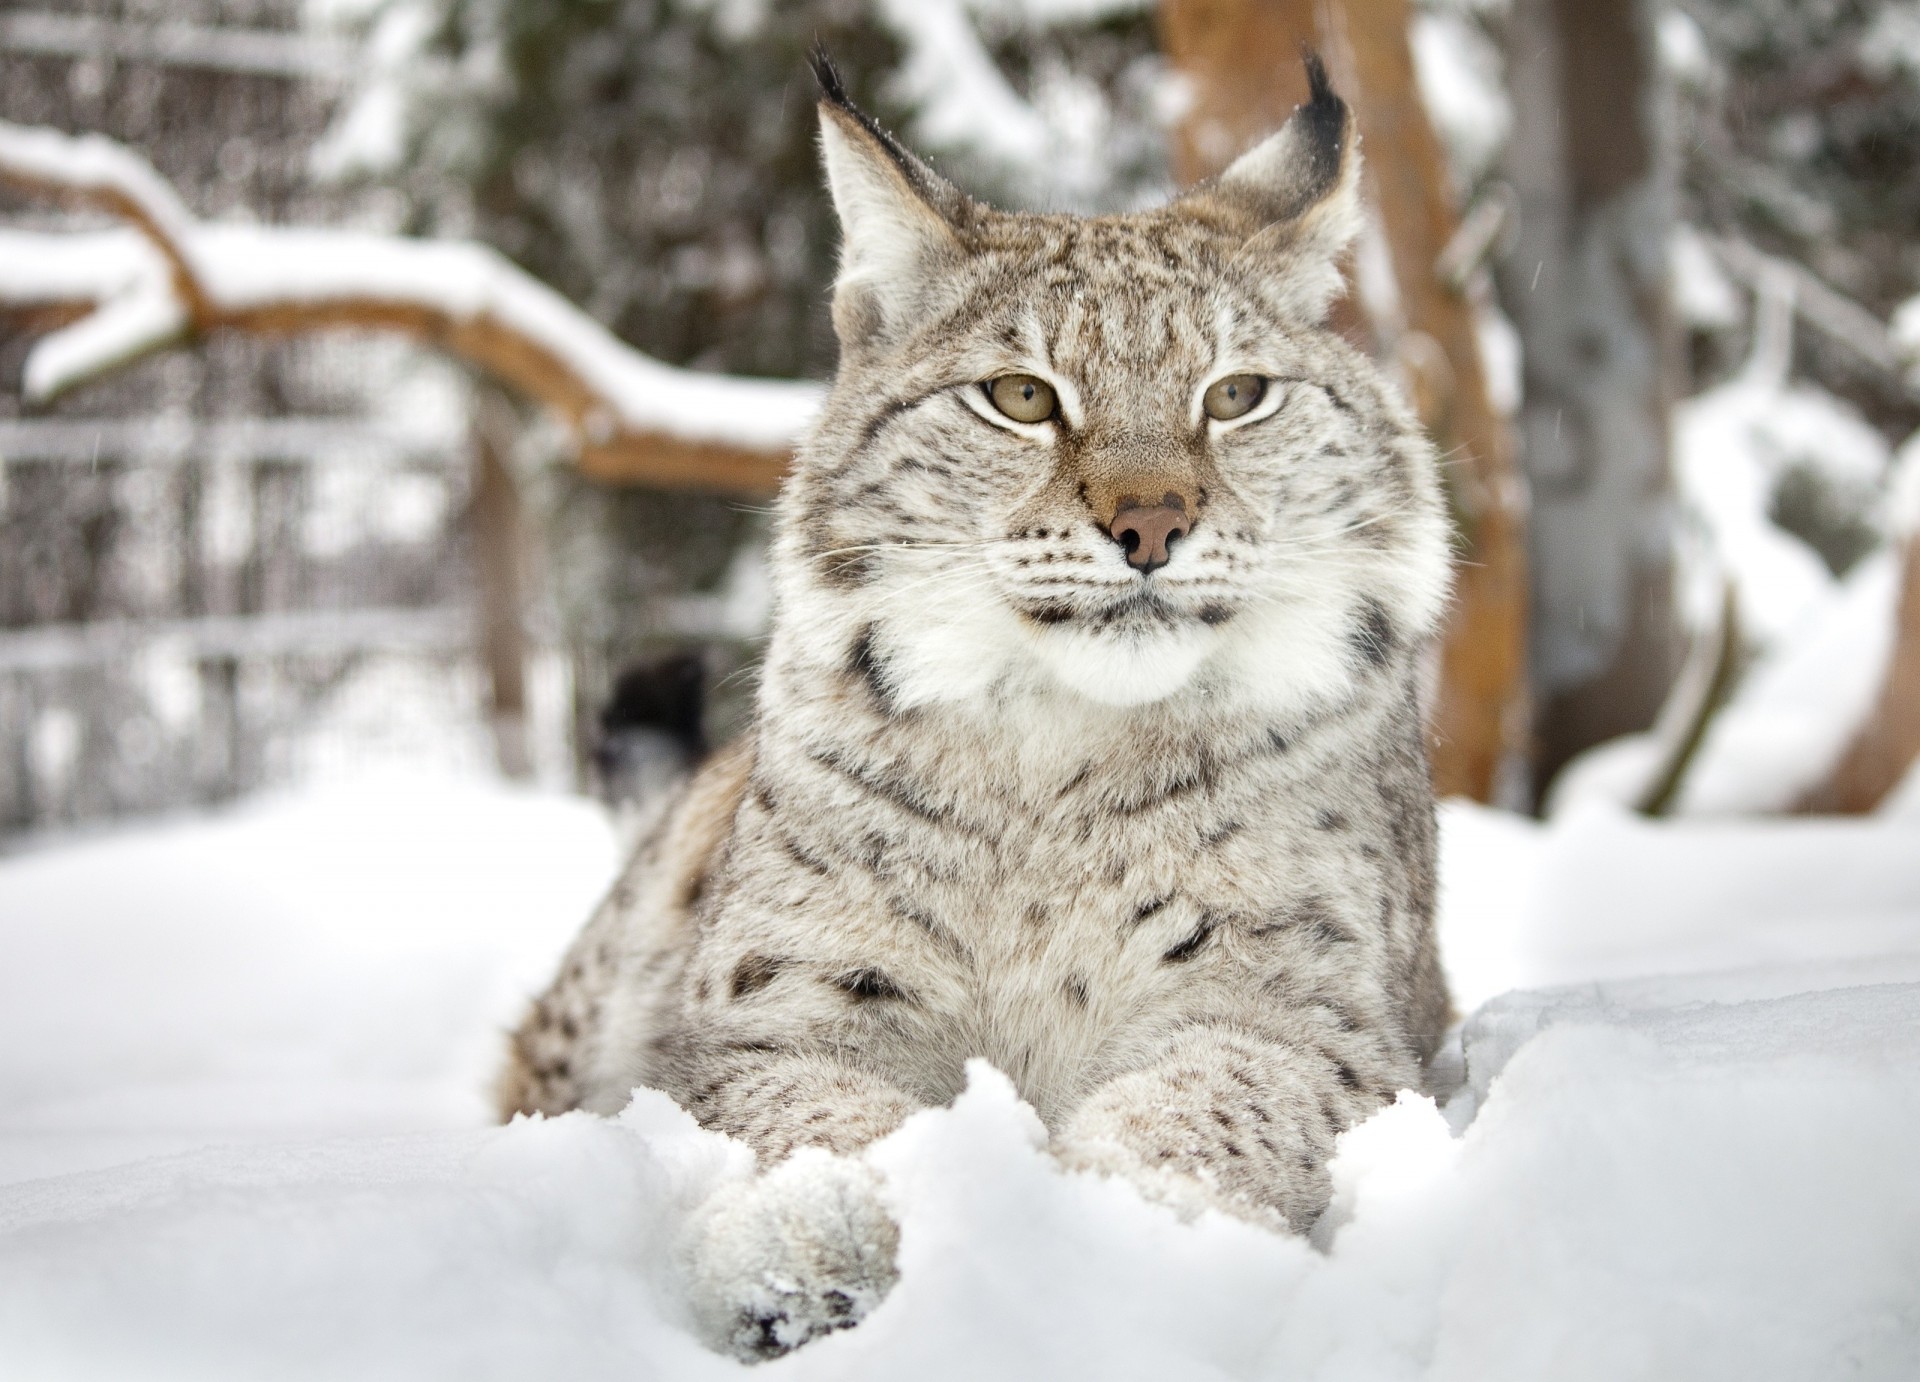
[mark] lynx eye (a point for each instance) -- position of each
(1234, 396)
(1022, 397)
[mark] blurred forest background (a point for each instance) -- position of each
(273, 507)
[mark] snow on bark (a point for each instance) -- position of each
(636, 417)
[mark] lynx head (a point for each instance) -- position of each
(1121, 455)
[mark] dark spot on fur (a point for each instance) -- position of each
(921, 466)
(1329, 820)
(1189, 947)
(1214, 615)
(844, 570)
(804, 857)
(1076, 989)
(1086, 770)
(569, 1028)
(1200, 776)
(1309, 916)
(1221, 833)
(1036, 914)
(865, 665)
(868, 985)
(928, 923)
(1343, 1016)
(1047, 614)
(884, 786)
(1346, 1075)
(1150, 907)
(700, 989)
(1372, 634)
(1277, 742)
(881, 420)
(753, 973)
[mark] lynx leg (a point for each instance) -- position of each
(1223, 1120)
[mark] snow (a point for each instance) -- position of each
(1459, 72)
(1732, 446)
(39, 268)
(1704, 296)
(243, 1130)
(471, 281)
(238, 267)
(1891, 44)
(1683, 49)
(1797, 710)
(1065, 148)
(1814, 647)
(121, 330)
(1904, 329)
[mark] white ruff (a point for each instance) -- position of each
(1124, 668)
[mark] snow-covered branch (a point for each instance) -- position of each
(1833, 314)
(170, 277)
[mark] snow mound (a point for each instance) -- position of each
(245, 1137)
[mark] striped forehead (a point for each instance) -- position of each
(1121, 296)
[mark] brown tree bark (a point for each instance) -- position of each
(499, 556)
(1886, 747)
(1242, 57)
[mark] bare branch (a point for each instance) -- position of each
(636, 420)
(1833, 314)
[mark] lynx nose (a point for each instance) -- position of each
(1147, 532)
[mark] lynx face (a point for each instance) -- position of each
(1118, 455)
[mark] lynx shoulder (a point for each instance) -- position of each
(1089, 739)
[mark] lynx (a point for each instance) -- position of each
(1089, 740)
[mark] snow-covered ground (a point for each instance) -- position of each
(243, 1131)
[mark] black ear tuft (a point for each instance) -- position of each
(833, 91)
(832, 87)
(1319, 85)
(1323, 121)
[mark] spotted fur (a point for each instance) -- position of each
(1160, 847)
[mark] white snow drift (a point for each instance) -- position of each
(243, 1062)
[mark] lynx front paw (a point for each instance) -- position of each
(1184, 1187)
(790, 1255)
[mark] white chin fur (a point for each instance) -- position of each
(1134, 668)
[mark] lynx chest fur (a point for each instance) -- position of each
(1089, 738)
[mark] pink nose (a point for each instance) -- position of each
(1148, 532)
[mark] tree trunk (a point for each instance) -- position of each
(1243, 59)
(1586, 284)
(499, 557)
(1888, 744)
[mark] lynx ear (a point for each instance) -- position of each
(1296, 196)
(900, 222)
